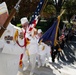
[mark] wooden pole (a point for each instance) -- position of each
(3, 28)
(58, 18)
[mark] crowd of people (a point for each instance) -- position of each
(24, 42)
(34, 52)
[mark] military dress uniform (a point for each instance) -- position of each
(10, 53)
(30, 51)
(32, 48)
(44, 53)
(10, 45)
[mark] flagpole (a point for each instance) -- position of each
(62, 12)
(55, 40)
(58, 18)
(45, 2)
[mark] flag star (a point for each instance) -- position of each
(40, 2)
(35, 15)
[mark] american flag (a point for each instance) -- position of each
(35, 21)
(37, 11)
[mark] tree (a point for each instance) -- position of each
(52, 8)
(70, 6)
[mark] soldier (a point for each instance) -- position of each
(33, 52)
(23, 63)
(39, 34)
(10, 50)
(44, 51)
(31, 48)
(8, 35)
(44, 54)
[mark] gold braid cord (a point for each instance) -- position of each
(15, 38)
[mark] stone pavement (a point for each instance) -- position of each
(9, 66)
(58, 68)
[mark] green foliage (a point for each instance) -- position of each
(50, 9)
(18, 25)
(42, 25)
(70, 6)
(27, 8)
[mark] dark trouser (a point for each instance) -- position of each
(53, 55)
